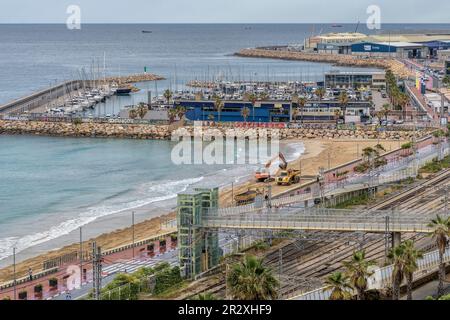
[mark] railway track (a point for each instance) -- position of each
(315, 260)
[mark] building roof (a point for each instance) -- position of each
(409, 37)
(342, 35)
(338, 72)
(400, 44)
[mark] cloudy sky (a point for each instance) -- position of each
(224, 11)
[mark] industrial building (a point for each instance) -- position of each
(275, 111)
(350, 79)
(405, 50)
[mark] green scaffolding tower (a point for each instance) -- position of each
(198, 249)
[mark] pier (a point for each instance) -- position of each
(40, 98)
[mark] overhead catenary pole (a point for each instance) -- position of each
(132, 224)
(14, 273)
(81, 256)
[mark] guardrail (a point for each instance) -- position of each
(327, 219)
(382, 277)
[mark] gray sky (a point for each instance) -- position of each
(224, 11)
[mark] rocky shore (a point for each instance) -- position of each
(165, 132)
(133, 78)
(398, 68)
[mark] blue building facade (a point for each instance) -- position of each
(371, 47)
(263, 112)
(272, 111)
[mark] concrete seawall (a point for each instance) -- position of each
(337, 59)
(163, 132)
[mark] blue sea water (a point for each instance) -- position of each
(51, 186)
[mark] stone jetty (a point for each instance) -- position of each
(398, 68)
(164, 132)
(133, 78)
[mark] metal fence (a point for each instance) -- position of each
(382, 277)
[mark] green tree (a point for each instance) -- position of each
(440, 231)
(339, 285)
(250, 280)
(357, 269)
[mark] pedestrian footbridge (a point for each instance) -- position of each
(315, 219)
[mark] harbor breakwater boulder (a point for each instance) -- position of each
(88, 129)
(398, 68)
(166, 132)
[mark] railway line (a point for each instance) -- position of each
(305, 262)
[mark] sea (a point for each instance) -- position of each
(52, 186)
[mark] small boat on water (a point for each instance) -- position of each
(337, 25)
(147, 31)
(123, 91)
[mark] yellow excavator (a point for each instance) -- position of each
(264, 175)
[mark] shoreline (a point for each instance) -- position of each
(314, 156)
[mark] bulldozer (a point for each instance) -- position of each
(264, 174)
(288, 177)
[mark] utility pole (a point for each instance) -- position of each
(81, 256)
(96, 270)
(14, 273)
(132, 230)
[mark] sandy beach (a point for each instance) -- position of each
(318, 153)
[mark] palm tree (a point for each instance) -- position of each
(245, 112)
(320, 93)
(168, 95)
(171, 114)
(386, 109)
(295, 114)
(358, 272)
(337, 115)
(343, 101)
(218, 104)
(181, 111)
(253, 98)
(411, 256)
(250, 280)
(210, 117)
(397, 257)
(142, 110)
(440, 232)
(403, 101)
(301, 104)
(339, 285)
(132, 114)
